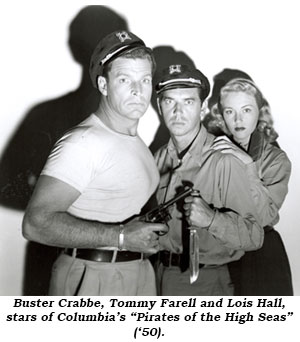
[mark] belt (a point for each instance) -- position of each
(104, 255)
(169, 259)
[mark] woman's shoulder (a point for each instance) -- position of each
(275, 157)
(272, 149)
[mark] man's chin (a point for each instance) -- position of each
(177, 131)
(137, 114)
(138, 110)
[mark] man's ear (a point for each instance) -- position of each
(204, 109)
(102, 85)
(158, 106)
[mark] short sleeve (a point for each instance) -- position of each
(71, 163)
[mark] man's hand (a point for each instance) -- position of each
(198, 213)
(224, 145)
(142, 236)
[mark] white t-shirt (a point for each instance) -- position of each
(115, 173)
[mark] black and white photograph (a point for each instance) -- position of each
(150, 149)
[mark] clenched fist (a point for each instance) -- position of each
(198, 213)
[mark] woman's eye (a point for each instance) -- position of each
(247, 110)
(228, 111)
(147, 80)
(167, 101)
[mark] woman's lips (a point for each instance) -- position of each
(239, 129)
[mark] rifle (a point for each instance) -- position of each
(160, 214)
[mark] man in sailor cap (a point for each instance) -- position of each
(98, 176)
(218, 222)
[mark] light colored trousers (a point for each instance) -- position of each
(212, 281)
(77, 277)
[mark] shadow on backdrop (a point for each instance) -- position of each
(27, 151)
(165, 56)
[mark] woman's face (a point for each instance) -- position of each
(240, 113)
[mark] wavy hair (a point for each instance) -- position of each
(215, 122)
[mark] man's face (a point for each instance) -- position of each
(181, 111)
(129, 87)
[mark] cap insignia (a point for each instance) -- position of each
(123, 35)
(176, 68)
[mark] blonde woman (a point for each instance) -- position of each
(245, 117)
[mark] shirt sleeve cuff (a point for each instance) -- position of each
(217, 225)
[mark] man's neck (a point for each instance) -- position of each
(115, 121)
(184, 142)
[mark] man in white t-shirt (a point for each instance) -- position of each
(98, 176)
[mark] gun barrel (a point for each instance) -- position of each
(182, 194)
(160, 213)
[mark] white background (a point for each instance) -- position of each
(260, 37)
